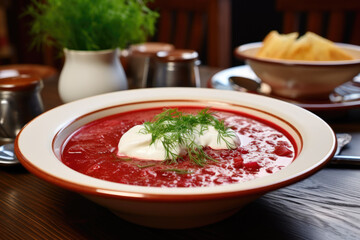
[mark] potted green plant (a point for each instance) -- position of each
(91, 32)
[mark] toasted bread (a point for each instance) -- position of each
(275, 44)
(309, 47)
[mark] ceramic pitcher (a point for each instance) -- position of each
(89, 73)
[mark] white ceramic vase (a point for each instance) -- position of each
(89, 73)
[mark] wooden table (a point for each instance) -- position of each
(324, 206)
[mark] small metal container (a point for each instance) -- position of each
(20, 101)
(176, 68)
(141, 62)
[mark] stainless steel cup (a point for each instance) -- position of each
(20, 101)
(176, 68)
(141, 62)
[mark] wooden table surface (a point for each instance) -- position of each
(324, 206)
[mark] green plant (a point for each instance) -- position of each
(91, 24)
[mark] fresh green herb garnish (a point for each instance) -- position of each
(124, 159)
(145, 166)
(178, 171)
(174, 128)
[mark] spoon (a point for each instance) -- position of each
(342, 140)
(244, 84)
(7, 155)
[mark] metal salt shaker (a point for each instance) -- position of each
(20, 101)
(176, 68)
(141, 62)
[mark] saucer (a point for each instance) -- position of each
(15, 70)
(221, 81)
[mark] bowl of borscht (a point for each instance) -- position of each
(175, 157)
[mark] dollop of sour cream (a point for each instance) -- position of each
(136, 144)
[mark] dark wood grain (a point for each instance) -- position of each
(325, 206)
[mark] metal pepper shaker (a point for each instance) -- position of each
(141, 62)
(176, 68)
(20, 101)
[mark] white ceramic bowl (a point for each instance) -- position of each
(301, 79)
(171, 207)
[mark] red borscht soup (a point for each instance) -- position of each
(264, 149)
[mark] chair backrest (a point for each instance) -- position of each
(7, 53)
(337, 20)
(201, 25)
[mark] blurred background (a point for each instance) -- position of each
(228, 23)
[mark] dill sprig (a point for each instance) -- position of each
(175, 128)
(145, 166)
(178, 171)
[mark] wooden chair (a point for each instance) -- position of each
(201, 25)
(337, 20)
(7, 53)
